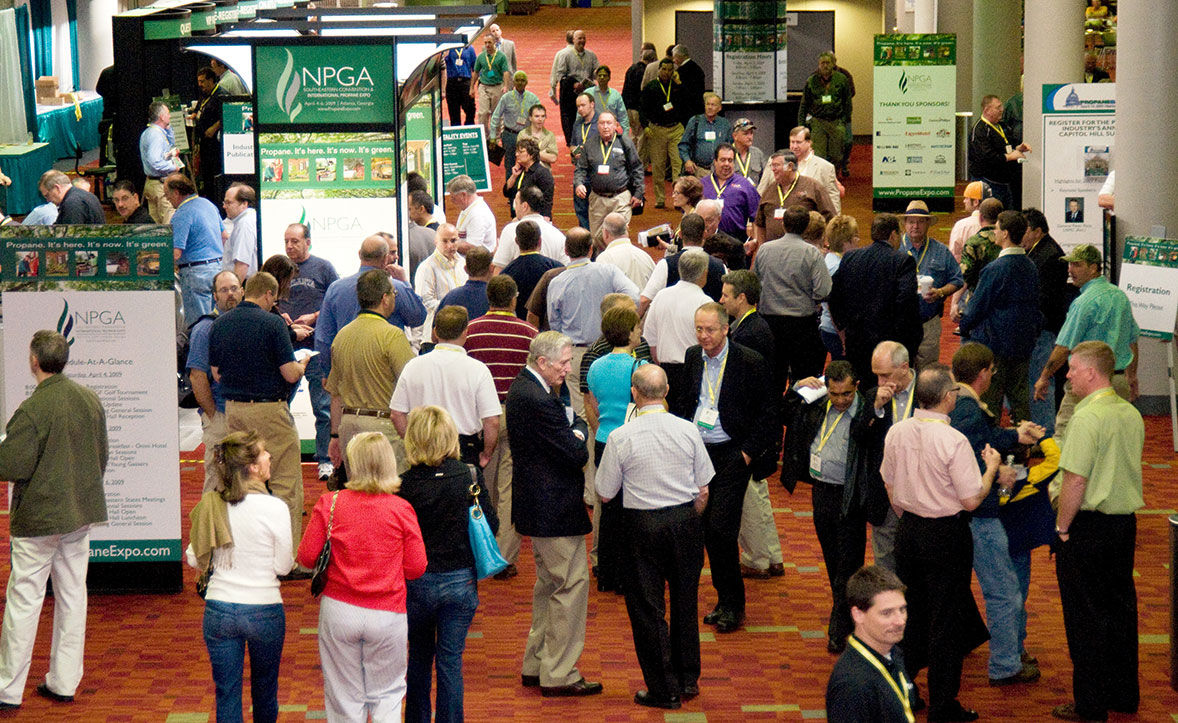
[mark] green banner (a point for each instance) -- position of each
(917, 49)
(915, 192)
(237, 118)
(247, 9)
(204, 20)
(167, 28)
(86, 258)
(134, 550)
(336, 84)
(419, 138)
(226, 14)
(331, 165)
(464, 151)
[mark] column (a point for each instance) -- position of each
(1146, 152)
(925, 18)
(956, 16)
(997, 49)
(637, 34)
(1054, 29)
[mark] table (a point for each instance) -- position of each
(24, 164)
(60, 128)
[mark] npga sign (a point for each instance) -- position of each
(325, 84)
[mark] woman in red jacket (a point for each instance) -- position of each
(376, 546)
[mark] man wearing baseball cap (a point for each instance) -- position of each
(975, 191)
(1101, 312)
(933, 261)
(750, 160)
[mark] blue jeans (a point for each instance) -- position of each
(1042, 412)
(581, 208)
(1022, 570)
(228, 627)
(321, 406)
(440, 607)
(196, 290)
(995, 571)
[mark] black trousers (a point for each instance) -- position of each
(798, 347)
(458, 100)
(678, 384)
(667, 552)
(721, 521)
(1099, 600)
(567, 98)
(613, 545)
(843, 541)
(934, 558)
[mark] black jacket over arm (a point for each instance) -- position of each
(548, 492)
(873, 298)
(865, 486)
(748, 416)
(802, 423)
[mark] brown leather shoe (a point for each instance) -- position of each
(754, 573)
(776, 569)
(506, 573)
(580, 688)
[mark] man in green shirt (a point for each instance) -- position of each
(1101, 312)
(54, 455)
(490, 69)
(1097, 529)
(826, 109)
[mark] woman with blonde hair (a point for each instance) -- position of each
(241, 536)
(442, 602)
(842, 234)
(815, 232)
(375, 547)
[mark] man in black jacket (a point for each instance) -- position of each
(820, 451)
(548, 448)
(725, 398)
(873, 297)
(1055, 296)
(74, 205)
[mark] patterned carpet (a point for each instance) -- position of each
(146, 659)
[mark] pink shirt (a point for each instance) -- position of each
(928, 466)
(961, 232)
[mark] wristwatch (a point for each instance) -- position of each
(1059, 531)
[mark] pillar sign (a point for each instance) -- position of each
(1079, 129)
(749, 36)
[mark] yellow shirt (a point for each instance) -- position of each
(367, 357)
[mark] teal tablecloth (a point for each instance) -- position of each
(24, 165)
(62, 130)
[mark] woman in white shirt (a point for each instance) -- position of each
(242, 535)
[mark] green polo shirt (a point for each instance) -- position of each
(1101, 312)
(491, 70)
(1103, 445)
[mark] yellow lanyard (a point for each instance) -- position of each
(500, 313)
(747, 314)
(720, 189)
(713, 387)
(606, 151)
(997, 130)
(652, 411)
(780, 197)
(930, 419)
(666, 90)
(823, 435)
(453, 268)
(584, 132)
(519, 184)
(922, 253)
(900, 689)
(907, 410)
(1106, 393)
(744, 169)
(575, 266)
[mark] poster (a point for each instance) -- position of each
(1079, 125)
(464, 151)
(334, 84)
(1149, 277)
(237, 138)
(749, 41)
(913, 147)
(108, 290)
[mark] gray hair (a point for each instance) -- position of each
(52, 178)
(680, 51)
(461, 184)
(549, 345)
(708, 207)
(932, 384)
(693, 264)
(650, 381)
(897, 352)
(615, 225)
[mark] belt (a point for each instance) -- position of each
(512, 130)
(155, 178)
(1119, 371)
(378, 413)
(470, 438)
(264, 400)
(205, 262)
(608, 194)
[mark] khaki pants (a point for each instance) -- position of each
(929, 351)
(273, 422)
(883, 541)
(157, 204)
(212, 431)
(760, 546)
(497, 477)
(638, 135)
(663, 143)
(352, 424)
(489, 96)
(599, 208)
(828, 138)
(560, 602)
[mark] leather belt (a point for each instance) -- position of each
(205, 262)
(378, 413)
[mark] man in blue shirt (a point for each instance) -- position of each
(457, 84)
(196, 245)
(472, 295)
(340, 303)
(935, 260)
(159, 157)
(227, 295)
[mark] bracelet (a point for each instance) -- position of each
(1060, 532)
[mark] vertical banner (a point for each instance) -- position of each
(108, 290)
(1079, 126)
(237, 139)
(1149, 277)
(913, 141)
(464, 151)
(748, 60)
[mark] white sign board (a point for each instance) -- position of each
(1079, 128)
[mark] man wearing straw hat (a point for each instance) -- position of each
(938, 277)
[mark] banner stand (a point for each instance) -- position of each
(1149, 277)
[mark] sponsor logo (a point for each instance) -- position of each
(914, 146)
(888, 146)
(913, 81)
(888, 159)
(943, 133)
(940, 160)
(912, 134)
(915, 159)
(914, 120)
(940, 145)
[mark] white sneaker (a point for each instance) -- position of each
(326, 469)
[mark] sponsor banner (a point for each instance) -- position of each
(86, 257)
(913, 148)
(464, 151)
(1079, 129)
(1149, 277)
(319, 162)
(336, 84)
(114, 341)
(237, 138)
(749, 58)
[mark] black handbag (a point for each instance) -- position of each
(202, 581)
(319, 572)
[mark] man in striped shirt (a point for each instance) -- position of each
(500, 340)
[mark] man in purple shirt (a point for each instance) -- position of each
(738, 194)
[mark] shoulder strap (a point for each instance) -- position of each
(331, 514)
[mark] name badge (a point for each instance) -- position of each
(603, 169)
(709, 135)
(668, 106)
(458, 62)
(815, 465)
(1009, 148)
(720, 202)
(828, 99)
(568, 412)
(617, 150)
(779, 213)
(708, 418)
(461, 233)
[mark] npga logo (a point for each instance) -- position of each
(291, 81)
(82, 320)
(330, 224)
